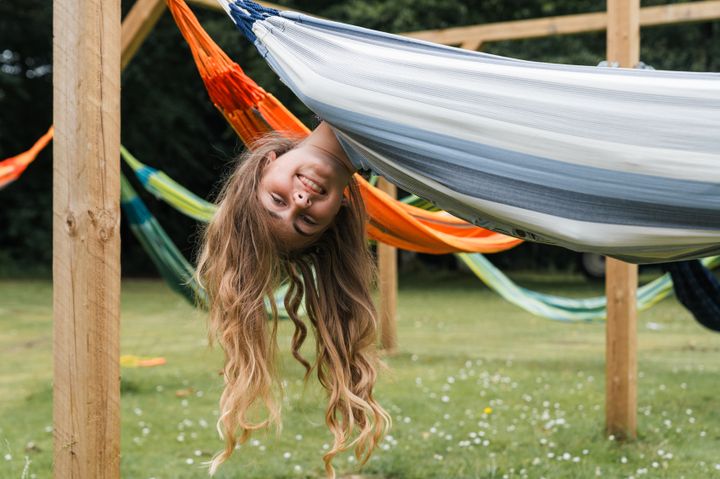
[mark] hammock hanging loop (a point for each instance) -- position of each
(247, 12)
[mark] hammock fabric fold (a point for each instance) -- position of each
(698, 290)
(615, 161)
(253, 112)
(11, 168)
(170, 262)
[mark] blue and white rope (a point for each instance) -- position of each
(245, 13)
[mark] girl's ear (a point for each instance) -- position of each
(272, 156)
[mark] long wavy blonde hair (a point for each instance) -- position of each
(241, 264)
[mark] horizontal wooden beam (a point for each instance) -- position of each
(515, 30)
(213, 4)
(567, 24)
(472, 37)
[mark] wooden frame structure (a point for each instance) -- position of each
(89, 50)
(472, 37)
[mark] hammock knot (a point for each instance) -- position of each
(247, 12)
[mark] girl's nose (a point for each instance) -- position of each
(302, 198)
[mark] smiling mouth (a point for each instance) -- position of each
(311, 185)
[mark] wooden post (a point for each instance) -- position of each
(623, 32)
(623, 46)
(86, 240)
(621, 350)
(387, 266)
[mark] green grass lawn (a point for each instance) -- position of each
(479, 389)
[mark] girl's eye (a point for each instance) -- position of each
(309, 220)
(277, 200)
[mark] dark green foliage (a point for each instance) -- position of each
(25, 114)
(169, 123)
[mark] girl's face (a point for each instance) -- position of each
(302, 190)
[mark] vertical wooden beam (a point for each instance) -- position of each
(86, 240)
(623, 32)
(621, 350)
(623, 46)
(387, 266)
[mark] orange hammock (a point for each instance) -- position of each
(253, 112)
(11, 168)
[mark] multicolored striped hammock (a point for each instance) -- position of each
(615, 161)
(177, 272)
(170, 262)
(561, 308)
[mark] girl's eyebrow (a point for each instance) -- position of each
(295, 225)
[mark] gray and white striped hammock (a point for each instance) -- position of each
(616, 161)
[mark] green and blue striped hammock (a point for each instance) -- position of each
(177, 272)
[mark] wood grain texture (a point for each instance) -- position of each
(621, 350)
(387, 281)
(623, 32)
(86, 240)
(623, 46)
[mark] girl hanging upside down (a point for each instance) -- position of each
(291, 211)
